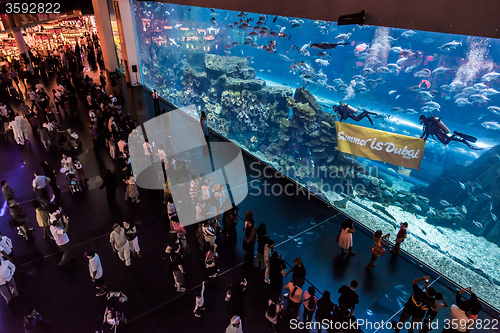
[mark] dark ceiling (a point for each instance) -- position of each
(464, 17)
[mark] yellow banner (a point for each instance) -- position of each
(401, 150)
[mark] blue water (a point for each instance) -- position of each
(388, 71)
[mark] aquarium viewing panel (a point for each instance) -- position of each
(276, 86)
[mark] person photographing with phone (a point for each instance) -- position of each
(417, 305)
(377, 250)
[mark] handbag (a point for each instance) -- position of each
(380, 251)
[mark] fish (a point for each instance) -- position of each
(275, 18)
(392, 92)
(322, 62)
(383, 210)
(494, 217)
(440, 70)
(242, 14)
(391, 170)
(462, 102)
(417, 207)
(341, 203)
(397, 204)
(451, 45)
(284, 57)
(477, 224)
(388, 193)
(431, 212)
(479, 86)
(343, 36)
(462, 185)
(423, 73)
(173, 42)
(491, 125)
(408, 34)
(326, 46)
(178, 25)
(490, 76)
(489, 92)
(404, 172)
(479, 98)
(425, 95)
(410, 111)
(452, 211)
(464, 209)
(444, 203)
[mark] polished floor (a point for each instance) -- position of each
(300, 226)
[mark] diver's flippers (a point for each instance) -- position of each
(466, 137)
(471, 146)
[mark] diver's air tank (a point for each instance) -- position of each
(442, 126)
(350, 108)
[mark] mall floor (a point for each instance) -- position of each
(301, 226)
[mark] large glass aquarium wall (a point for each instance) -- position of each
(272, 84)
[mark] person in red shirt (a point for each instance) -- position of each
(400, 238)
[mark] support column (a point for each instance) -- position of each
(105, 34)
(21, 46)
(126, 29)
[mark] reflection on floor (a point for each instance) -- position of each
(300, 226)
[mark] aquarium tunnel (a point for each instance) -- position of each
(280, 88)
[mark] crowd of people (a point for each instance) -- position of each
(109, 129)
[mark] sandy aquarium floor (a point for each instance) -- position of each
(456, 254)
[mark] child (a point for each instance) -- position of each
(200, 301)
(432, 312)
(400, 238)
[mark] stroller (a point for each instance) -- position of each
(113, 315)
(73, 183)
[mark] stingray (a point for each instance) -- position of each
(325, 46)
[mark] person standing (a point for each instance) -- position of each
(235, 326)
(262, 240)
(348, 296)
(40, 187)
(102, 78)
(400, 238)
(249, 237)
(200, 301)
(8, 287)
(299, 272)
(273, 313)
(15, 126)
(310, 303)
(42, 217)
(377, 249)
(19, 219)
(177, 264)
(417, 305)
(5, 247)
(58, 100)
(131, 192)
(59, 230)
(133, 240)
(32, 96)
(49, 172)
(7, 191)
(433, 311)
(345, 237)
(156, 102)
(96, 273)
(294, 298)
(111, 184)
(276, 272)
(119, 243)
(268, 251)
(324, 309)
(204, 125)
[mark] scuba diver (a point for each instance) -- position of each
(345, 111)
(435, 127)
